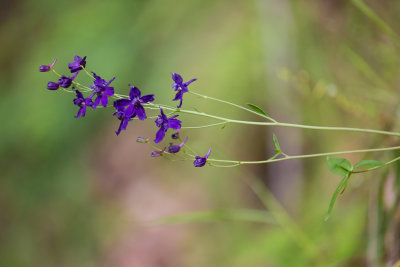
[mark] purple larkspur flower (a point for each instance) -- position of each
(157, 153)
(201, 161)
(82, 102)
(180, 87)
(65, 81)
(52, 86)
(122, 115)
(164, 124)
(134, 103)
(76, 65)
(102, 89)
(46, 68)
(176, 148)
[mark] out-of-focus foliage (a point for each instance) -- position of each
(71, 192)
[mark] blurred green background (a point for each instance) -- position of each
(74, 194)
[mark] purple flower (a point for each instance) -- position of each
(46, 68)
(65, 81)
(82, 102)
(164, 124)
(175, 149)
(201, 161)
(123, 117)
(180, 87)
(158, 152)
(102, 89)
(76, 65)
(52, 86)
(134, 103)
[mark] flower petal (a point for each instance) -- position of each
(189, 82)
(110, 81)
(178, 96)
(147, 98)
(96, 102)
(121, 103)
(109, 91)
(135, 92)
(141, 113)
(83, 113)
(180, 104)
(208, 153)
(160, 135)
(104, 100)
(174, 124)
(163, 115)
(177, 78)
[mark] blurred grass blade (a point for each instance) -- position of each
(365, 68)
(246, 215)
(341, 185)
(375, 18)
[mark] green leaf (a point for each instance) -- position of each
(258, 110)
(368, 163)
(339, 166)
(341, 185)
(276, 143)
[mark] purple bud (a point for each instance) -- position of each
(158, 152)
(201, 161)
(46, 68)
(142, 140)
(175, 135)
(65, 81)
(52, 86)
(176, 149)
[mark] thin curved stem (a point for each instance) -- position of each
(308, 156)
(232, 104)
(84, 69)
(280, 124)
(204, 126)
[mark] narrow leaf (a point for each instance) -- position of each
(345, 184)
(339, 166)
(276, 143)
(368, 163)
(341, 185)
(257, 110)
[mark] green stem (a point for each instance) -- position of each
(204, 126)
(311, 156)
(90, 75)
(232, 104)
(280, 124)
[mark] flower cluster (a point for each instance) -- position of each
(126, 108)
